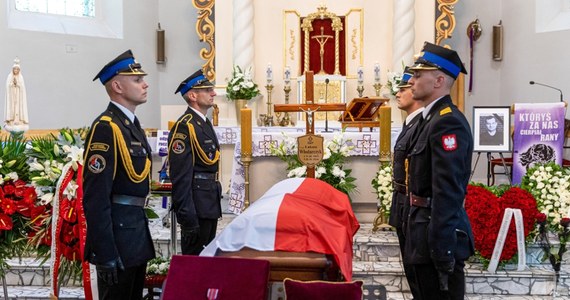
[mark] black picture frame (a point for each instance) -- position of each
(492, 128)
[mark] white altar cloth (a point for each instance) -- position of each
(365, 144)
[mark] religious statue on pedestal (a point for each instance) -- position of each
(16, 106)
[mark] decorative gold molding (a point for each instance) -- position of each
(205, 28)
(445, 20)
(353, 41)
(291, 50)
(444, 26)
(361, 29)
(292, 46)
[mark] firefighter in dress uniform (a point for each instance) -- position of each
(116, 183)
(400, 201)
(193, 154)
(438, 234)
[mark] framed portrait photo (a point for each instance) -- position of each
(492, 128)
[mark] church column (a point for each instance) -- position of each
(243, 31)
(404, 34)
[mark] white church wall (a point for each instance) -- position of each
(527, 55)
(59, 84)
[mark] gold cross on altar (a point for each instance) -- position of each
(309, 108)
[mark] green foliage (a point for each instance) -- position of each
(331, 168)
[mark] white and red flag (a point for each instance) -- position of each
(295, 215)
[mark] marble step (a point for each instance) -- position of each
(76, 293)
(535, 280)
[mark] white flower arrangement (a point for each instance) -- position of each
(382, 184)
(241, 85)
(47, 159)
(158, 266)
(329, 170)
(550, 186)
(394, 79)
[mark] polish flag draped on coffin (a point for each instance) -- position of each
(295, 215)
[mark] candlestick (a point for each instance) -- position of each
(246, 131)
(287, 75)
(269, 72)
(385, 116)
(376, 72)
(246, 157)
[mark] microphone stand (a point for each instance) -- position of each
(326, 101)
(548, 86)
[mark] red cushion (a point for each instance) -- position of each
(325, 290)
(193, 277)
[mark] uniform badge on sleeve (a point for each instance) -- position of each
(96, 163)
(449, 142)
(178, 146)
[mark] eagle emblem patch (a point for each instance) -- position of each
(96, 163)
(449, 142)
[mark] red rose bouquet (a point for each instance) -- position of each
(485, 209)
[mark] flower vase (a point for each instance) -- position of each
(240, 103)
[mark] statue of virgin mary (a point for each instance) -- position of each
(16, 106)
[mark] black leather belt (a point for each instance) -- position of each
(399, 187)
(206, 176)
(129, 200)
(419, 201)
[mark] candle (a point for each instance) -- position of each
(246, 132)
(360, 73)
(287, 75)
(376, 72)
(385, 116)
(269, 72)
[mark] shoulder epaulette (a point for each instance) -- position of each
(106, 118)
(445, 111)
(186, 118)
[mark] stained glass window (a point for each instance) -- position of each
(76, 8)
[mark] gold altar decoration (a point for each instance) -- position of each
(205, 28)
(307, 26)
(333, 96)
(246, 148)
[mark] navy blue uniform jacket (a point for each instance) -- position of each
(189, 153)
(115, 230)
(440, 167)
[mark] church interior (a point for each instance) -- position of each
(513, 53)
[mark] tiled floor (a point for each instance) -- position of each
(162, 235)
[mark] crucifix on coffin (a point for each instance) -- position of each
(310, 146)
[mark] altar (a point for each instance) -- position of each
(266, 169)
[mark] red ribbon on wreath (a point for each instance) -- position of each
(70, 230)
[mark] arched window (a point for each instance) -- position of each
(74, 8)
(99, 18)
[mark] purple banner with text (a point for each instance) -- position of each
(538, 136)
